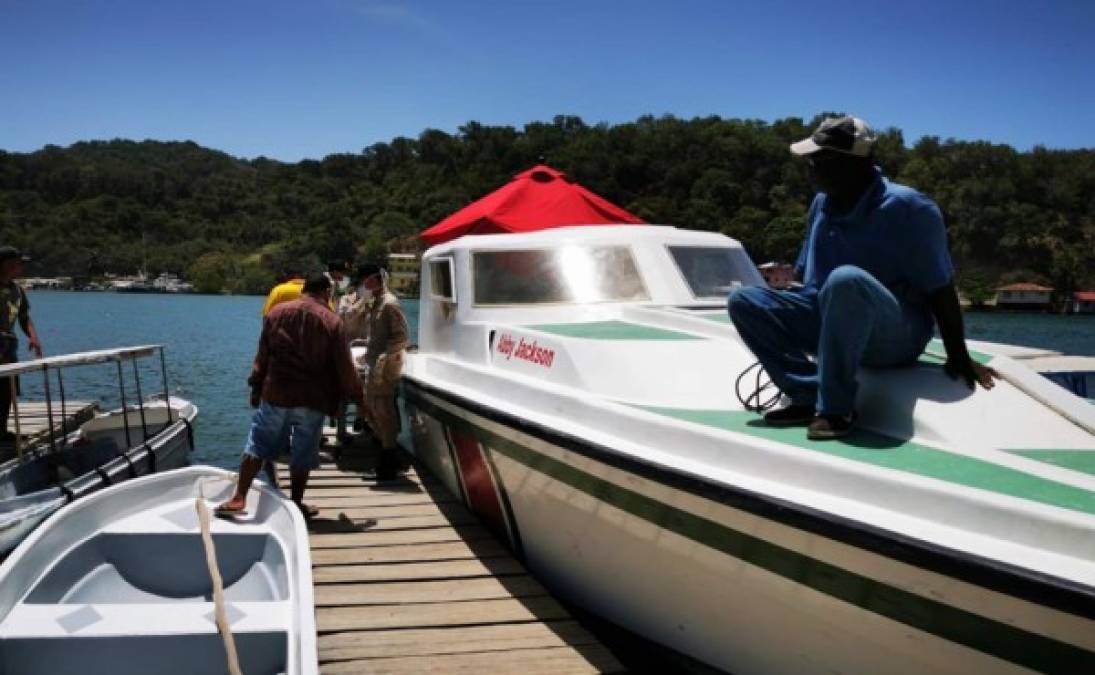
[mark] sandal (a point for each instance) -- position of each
(230, 509)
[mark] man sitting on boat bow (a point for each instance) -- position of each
(876, 270)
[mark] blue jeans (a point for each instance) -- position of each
(274, 428)
(853, 320)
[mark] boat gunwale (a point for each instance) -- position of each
(1002, 577)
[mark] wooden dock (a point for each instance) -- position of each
(408, 581)
(34, 422)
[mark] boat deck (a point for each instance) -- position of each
(34, 422)
(407, 580)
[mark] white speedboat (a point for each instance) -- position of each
(118, 584)
(575, 387)
(151, 435)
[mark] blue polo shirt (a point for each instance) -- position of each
(894, 232)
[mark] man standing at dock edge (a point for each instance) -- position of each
(388, 338)
(302, 370)
(876, 271)
(14, 308)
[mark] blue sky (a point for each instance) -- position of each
(291, 79)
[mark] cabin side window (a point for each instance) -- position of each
(714, 271)
(441, 285)
(569, 274)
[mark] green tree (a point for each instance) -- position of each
(212, 272)
(1028, 215)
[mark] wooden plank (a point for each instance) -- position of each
(319, 475)
(381, 512)
(362, 500)
(422, 615)
(585, 659)
(360, 482)
(34, 423)
(433, 535)
(451, 640)
(445, 569)
(356, 481)
(335, 524)
(448, 590)
(360, 490)
(456, 550)
(370, 486)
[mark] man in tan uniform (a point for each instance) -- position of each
(388, 337)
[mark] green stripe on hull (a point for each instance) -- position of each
(612, 330)
(877, 449)
(949, 623)
(936, 352)
(1077, 460)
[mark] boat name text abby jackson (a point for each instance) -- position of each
(526, 351)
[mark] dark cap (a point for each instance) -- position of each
(338, 266)
(317, 282)
(12, 253)
(848, 135)
(368, 269)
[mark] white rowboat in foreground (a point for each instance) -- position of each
(117, 584)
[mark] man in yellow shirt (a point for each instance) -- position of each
(290, 289)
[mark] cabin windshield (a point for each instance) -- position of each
(570, 274)
(714, 271)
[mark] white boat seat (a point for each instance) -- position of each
(166, 639)
(29, 620)
(153, 568)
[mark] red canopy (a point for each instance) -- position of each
(534, 200)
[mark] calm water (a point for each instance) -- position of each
(211, 340)
(210, 343)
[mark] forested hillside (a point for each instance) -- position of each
(228, 223)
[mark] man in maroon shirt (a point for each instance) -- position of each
(302, 370)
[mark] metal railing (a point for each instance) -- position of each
(59, 363)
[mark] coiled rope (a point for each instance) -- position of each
(764, 394)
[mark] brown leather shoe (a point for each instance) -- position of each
(791, 416)
(829, 427)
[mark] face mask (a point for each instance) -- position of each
(364, 293)
(343, 283)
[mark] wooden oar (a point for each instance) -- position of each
(231, 655)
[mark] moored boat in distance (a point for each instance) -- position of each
(153, 434)
(118, 584)
(575, 387)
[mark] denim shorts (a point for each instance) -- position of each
(273, 429)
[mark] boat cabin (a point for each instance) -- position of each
(570, 274)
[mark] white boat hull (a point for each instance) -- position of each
(738, 580)
(585, 391)
(116, 583)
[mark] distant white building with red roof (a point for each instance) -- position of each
(1083, 302)
(1023, 296)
